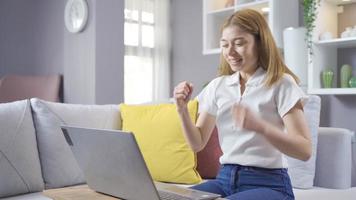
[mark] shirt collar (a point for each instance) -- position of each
(255, 80)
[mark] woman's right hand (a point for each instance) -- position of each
(182, 93)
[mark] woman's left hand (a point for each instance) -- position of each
(245, 118)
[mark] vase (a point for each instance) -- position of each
(327, 78)
(345, 75)
(352, 82)
(353, 32)
(229, 3)
(296, 53)
(347, 32)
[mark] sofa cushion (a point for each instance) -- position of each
(20, 170)
(208, 158)
(48, 116)
(32, 196)
(353, 167)
(158, 132)
(318, 193)
(302, 172)
(334, 161)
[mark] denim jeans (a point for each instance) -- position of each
(250, 183)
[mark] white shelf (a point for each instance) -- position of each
(333, 91)
(256, 5)
(326, 53)
(215, 13)
(338, 43)
(212, 51)
(340, 2)
(223, 10)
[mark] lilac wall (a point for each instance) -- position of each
(31, 36)
(340, 111)
(93, 59)
(33, 40)
(188, 63)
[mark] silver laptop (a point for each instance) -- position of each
(113, 164)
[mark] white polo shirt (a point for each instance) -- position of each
(241, 146)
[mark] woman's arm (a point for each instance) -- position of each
(296, 143)
(196, 135)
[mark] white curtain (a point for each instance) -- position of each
(147, 50)
(162, 50)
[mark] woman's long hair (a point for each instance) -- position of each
(269, 57)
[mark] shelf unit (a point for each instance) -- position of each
(325, 53)
(215, 13)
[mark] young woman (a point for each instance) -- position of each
(257, 107)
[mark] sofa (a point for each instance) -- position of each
(34, 155)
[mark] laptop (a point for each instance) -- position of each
(113, 164)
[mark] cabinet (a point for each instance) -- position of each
(279, 14)
(333, 16)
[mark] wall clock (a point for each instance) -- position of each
(76, 15)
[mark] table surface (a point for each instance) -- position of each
(80, 192)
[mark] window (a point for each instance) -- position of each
(147, 51)
(139, 51)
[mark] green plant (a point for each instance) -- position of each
(310, 14)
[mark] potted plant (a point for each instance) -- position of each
(310, 14)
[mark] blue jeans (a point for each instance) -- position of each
(250, 183)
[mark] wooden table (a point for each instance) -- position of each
(80, 192)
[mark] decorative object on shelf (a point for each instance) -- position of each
(76, 15)
(326, 36)
(353, 32)
(244, 1)
(352, 82)
(346, 33)
(310, 14)
(327, 77)
(345, 75)
(229, 3)
(296, 53)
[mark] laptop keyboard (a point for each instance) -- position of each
(172, 196)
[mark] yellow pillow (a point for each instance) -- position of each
(159, 134)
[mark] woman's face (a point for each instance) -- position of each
(239, 49)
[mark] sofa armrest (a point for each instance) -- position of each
(334, 158)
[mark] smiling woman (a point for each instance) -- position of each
(257, 107)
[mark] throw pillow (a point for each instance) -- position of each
(208, 158)
(159, 134)
(20, 169)
(302, 172)
(58, 163)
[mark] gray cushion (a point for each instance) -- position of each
(353, 167)
(317, 193)
(32, 196)
(59, 166)
(64, 170)
(333, 166)
(20, 170)
(302, 172)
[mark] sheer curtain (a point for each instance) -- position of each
(147, 50)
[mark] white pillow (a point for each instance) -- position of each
(302, 173)
(20, 170)
(64, 170)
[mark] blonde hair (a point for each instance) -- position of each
(269, 57)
